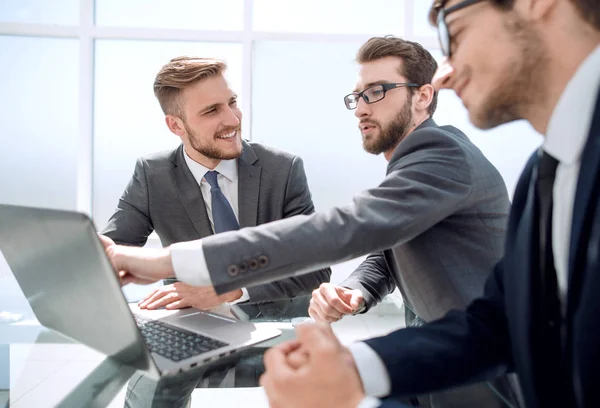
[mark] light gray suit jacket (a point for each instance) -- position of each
(439, 216)
(435, 226)
(164, 196)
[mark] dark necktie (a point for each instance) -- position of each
(223, 215)
(551, 341)
(545, 183)
(546, 172)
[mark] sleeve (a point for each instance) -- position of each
(131, 223)
(298, 200)
(373, 279)
(372, 371)
(426, 182)
(189, 264)
(462, 347)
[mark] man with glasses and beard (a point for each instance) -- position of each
(213, 182)
(434, 226)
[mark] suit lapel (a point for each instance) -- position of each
(248, 186)
(588, 179)
(190, 194)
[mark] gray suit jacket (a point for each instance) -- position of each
(164, 196)
(459, 229)
(435, 225)
(440, 213)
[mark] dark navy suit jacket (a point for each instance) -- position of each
(500, 332)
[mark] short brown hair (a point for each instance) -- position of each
(418, 66)
(180, 73)
(589, 10)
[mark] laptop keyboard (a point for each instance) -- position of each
(172, 342)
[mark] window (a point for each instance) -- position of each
(64, 12)
(128, 121)
(331, 16)
(221, 15)
(297, 105)
(38, 147)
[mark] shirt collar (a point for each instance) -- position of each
(227, 168)
(572, 117)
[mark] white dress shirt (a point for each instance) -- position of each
(228, 183)
(566, 137)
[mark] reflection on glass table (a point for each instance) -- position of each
(47, 369)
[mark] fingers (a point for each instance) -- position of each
(354, 298)
(331, 294)
(164, 301)
(288, 346)
(318, 339)
(178, 304)
(161, 297)
(276, 362)
(106, 241)
(297, 358)
(146, 298)
(321, 310)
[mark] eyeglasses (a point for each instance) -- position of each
(373, 93)
(442, 27)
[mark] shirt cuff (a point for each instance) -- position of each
(369, 402)
(372, 371)
(189, 263)
(244, 298)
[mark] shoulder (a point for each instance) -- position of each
(163, 156)
(430, 142)
(162, 160)
(269, 155)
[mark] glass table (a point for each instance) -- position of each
(42, 368)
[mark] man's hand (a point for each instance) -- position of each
(179, 295)
(325, 376)
(329, 302)
(138, 265)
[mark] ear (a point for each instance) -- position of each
(175, 125)
(534, 10)
(423, 97)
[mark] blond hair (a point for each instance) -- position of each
(180, 73)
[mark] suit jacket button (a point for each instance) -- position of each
(243, 267)
(253, 264)
(233, 270)
(263, 261)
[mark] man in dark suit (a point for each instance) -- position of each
(540, 314)
(170, 194)
(173, 194)
(436, 222)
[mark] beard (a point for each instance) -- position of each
(392, 134)
(521, 86)
(210, 149)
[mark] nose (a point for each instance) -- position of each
(444, 76)
(233, 117)
(362, 108)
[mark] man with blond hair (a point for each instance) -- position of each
(213, 182)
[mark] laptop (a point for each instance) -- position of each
(62, 268)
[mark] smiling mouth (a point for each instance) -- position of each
(228, 135)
